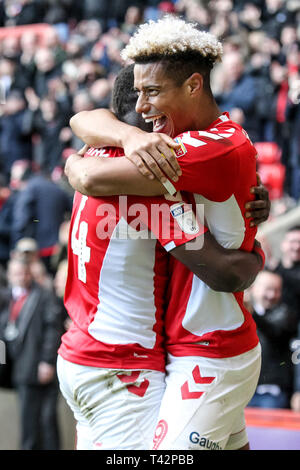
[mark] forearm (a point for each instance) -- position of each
(96, 176)
(76, 173)
(89, 176)
(99, 128)
(229, 273)
(223, 270)
(242, 268)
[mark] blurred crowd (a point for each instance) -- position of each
(69, 65)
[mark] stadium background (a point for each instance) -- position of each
(60, 57)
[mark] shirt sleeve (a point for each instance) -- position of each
(173, 221)
(210, 166)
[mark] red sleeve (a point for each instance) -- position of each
(209, 167)
(110, 152)
(173, 222)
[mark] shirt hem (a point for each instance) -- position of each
(209, 351)
(125, 363)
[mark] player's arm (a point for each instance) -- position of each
(222, 269)
(150, 152)
(99, 128)
(100, 176)
(96, 176)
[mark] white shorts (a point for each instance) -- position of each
(114, 409)
(203, 405)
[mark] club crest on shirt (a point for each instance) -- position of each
(182, 150)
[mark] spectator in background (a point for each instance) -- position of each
(11, 48)
(40, 275)
(249, 16)
(21, 12)
(8, 196)
(46, 119)
(26, 249)
(118, 9)
(29, 45)
(289, 268)
(91, 30)
(99, 9)
(19, 171)
(46, 69)
(133, 17)
(88, 73)
(58, 11)
(100, 93)
(276, 326)
(294, 157)
(113, 49)
(274, 15)
(52, 41)
(15, 137)
(293, 122)
(40, 208)
(11, 65)
(58, 91)
(2, 14)
(267, 83)
(8, 77)
(32, 327)
(82, 101)
(6, 208)
(237, 92)
(280, 134)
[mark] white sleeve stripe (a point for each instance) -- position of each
(223, 118)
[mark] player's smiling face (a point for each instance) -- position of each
(161, 100)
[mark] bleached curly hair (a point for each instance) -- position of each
(172, 36)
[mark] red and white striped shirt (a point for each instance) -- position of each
(117, 277)
(219, 167)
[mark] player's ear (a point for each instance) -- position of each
(194, 83)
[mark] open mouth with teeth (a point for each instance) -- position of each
(160, 123)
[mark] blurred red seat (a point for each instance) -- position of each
(268, 152)
(272, 176)
(270, 168)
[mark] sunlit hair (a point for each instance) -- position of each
(178, 45)
(170, 36)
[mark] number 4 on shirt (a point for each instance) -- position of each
(79, 246)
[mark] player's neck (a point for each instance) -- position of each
(200, 115)
(207, 113)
